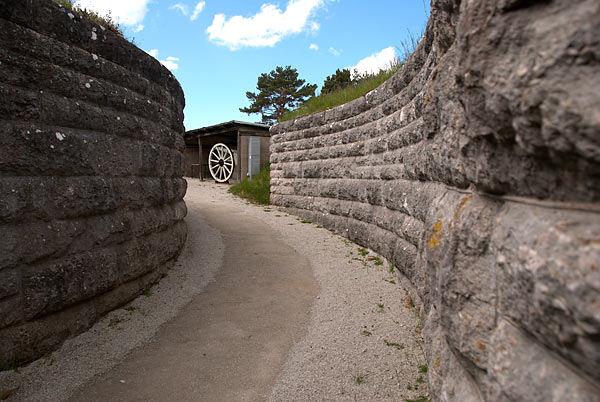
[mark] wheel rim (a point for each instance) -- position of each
(220, 162)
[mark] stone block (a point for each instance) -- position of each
(549, 281)
(10, 282)
(30, 340)
(51, 286)
(18, 104)
(446, 375)
(520, 368)
(11, 310)
(14, 198)
(142, 255)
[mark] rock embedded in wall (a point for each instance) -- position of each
(475, 169)
(91, 165)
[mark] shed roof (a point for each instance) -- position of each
(230, 125)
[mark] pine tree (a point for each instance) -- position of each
(339, 80)
(278, 92)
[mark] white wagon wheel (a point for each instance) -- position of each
(220, 162)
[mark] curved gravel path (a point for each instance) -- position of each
(349, 331)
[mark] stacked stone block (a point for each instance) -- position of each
(475, 169)
(91, 165)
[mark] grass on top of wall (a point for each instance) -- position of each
(106, 21)
(256, 190)
(341, 96)
(360, 85)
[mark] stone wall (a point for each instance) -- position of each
(476, 170)
(91, 194)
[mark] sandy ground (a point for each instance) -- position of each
(359, 339)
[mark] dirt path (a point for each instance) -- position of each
(230, 342)
(260, 306)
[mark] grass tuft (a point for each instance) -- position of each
(398, 346)
(420, 398)
(360, 378)
(16, 363)
(256, 190)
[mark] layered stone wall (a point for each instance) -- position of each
(91, 194)
(476, 170)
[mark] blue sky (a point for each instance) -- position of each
(218, 48)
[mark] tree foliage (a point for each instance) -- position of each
(278, 92)
(344, 78)
(341, 79)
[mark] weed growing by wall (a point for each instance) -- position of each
(257, 189)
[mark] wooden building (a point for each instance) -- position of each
(248, 142)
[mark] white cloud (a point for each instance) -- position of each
(197, 10)
(138, 28)
(375, 62)
(181, 7)
(170, 62)
(334, 51)
(313, 47)
(266, 28)
(185, 11)
(126, 12)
